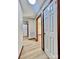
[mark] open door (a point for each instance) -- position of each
(50, 30)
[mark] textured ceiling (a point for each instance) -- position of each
(29, 10)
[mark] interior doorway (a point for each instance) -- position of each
(39, 31)
(25, 29)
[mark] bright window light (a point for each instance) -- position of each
(32, 2)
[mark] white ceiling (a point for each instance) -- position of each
(29, 10)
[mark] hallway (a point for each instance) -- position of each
(38, 20)
(32, 50)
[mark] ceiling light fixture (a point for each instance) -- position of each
(32, 2)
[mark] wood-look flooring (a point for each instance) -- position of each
(32, 50)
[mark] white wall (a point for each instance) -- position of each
(32, 27)
(20, 33)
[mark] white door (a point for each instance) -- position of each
(46, 31)
(50, 30)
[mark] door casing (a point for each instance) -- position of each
(42, 30)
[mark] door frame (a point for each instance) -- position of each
(58, 26)
(42, 30)
(27, 29)
(26, 23)
(37, 27)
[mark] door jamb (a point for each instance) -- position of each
(42, 30)
(58, 26)
(37, 27)
(27, 29)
